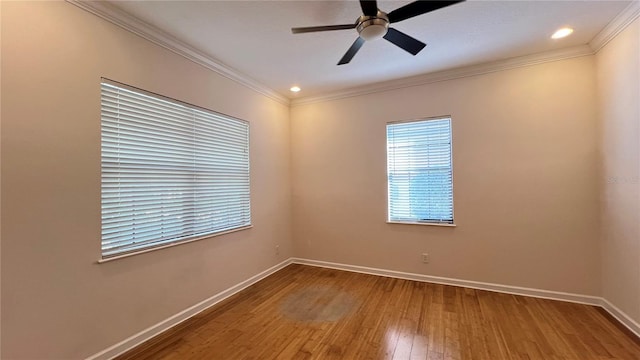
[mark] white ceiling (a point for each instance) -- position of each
(254, 37)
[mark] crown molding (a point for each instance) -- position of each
(472, 70)
(619, 23)
(159, 37)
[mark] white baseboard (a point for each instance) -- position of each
(623, 318)
(176, 319)
(618, 314)
(515, 290)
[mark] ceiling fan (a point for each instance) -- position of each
(374, 24)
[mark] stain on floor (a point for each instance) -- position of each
(319, 303)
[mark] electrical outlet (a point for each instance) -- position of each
(277, 249)
(425, 258)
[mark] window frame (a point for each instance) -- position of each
(452, 223)
(161, 244)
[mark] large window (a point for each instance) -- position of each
(171, 172)
(419, 171)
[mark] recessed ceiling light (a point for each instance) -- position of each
(562, 33)
(295, 88)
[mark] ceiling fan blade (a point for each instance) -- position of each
(369, 7)
(404, 41)
(300, 30)
(417, 8)
(352, 51)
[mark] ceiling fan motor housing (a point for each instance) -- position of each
(373, 27)
(374, 24)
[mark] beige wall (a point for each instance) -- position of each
(56, 301)
(618, 76)
(525, 179)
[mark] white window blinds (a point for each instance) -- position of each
(419, 171)
(171, 172)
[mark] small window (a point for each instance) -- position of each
(171, 172)
(419, 171)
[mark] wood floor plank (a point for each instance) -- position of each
(304, 312)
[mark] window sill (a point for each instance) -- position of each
(142, 251)
(421, 223)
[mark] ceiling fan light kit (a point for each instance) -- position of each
(373, 27)
(374, 24)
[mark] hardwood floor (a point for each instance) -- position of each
(304, 312)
